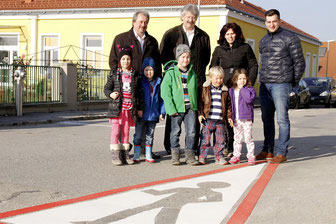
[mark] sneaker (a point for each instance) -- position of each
(221, 161)
(201, 161)
(234, 160)
(251, 160)
(278, 159)
(264, 155)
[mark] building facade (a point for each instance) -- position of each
(42, 33)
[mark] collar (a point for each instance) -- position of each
(187, 32)
(138, 37)
(216, 88)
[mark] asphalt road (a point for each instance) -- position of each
(53, 162)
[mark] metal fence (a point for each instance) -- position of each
(90, 84)
(41, 85)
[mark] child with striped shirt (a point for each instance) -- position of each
(214, 107)
(179, 93)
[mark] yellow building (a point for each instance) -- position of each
(82, 31)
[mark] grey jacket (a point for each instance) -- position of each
(282, 59)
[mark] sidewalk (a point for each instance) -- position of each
(53, 117)
(45, 118)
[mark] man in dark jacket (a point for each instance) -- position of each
(199, 43)
(143, 44)
(282, 66)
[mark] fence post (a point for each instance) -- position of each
(69, 84)
(19, 76)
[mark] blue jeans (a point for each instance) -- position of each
(144, 126)
(275, 97)
(189, 119)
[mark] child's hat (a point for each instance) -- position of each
(125, 50)
(148, 62)
(181, 49)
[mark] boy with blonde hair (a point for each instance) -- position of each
(214, 107)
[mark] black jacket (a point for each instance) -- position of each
(151, 49)
(239, 56)
(282, 59)
(114, 84)
(200, 49)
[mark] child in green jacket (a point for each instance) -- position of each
(179, 93)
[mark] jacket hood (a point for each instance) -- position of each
(207, 83)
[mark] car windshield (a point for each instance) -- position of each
(316, 82)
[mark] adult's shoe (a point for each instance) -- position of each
(278, 159)
(264, 155)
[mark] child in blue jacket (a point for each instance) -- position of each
(154, 110)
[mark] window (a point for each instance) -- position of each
(50, 50)
(9, 48)
(307, 71)
(314, 66)
(93, 51)
(251, 42)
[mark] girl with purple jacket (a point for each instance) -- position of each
(242, 97)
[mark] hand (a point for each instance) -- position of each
(162, 117)
(140, 113)
(230, 122)
(201, 118)
(173, 115)
(114, 95)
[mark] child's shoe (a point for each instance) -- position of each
(115, 150)
(175, 157)
(202, 161)
(149, 158)
(234, 160)
(136, 156)
(125, 151)
(251, 160)
(221, 161)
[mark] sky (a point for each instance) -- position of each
(314, 17)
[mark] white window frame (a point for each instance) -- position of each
(307, 70)
(251, 42)
(47, 48)
(84, 48)
(11, 48)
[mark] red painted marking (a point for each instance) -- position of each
(114, 191)
(245, 208)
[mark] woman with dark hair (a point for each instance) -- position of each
(233, 53)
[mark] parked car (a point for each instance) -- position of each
(300, 95)
(322, 90)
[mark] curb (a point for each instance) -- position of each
(49, 121)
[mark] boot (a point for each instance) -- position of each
(125, 150)
(190, 157)
(136, 156)
(115, 150)
(149, 158)
(175, 156)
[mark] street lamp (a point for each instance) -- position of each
(328, 57)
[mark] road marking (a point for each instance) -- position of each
(211, 195)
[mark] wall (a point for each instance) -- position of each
(331, 61)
